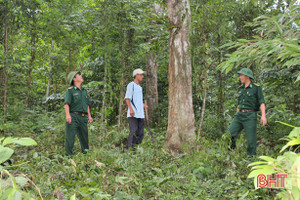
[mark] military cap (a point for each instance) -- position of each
(72, 75)
(247, 72)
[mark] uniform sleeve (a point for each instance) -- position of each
(239, 98)
(260, 96)
(68, 98)
(129, 91)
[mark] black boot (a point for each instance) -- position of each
(233, 145)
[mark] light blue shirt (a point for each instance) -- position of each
(134, 93)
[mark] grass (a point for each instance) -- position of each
(109, 171)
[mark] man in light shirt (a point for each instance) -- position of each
(135, 113)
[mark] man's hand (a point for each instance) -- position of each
(131, 113)
(68, 119)
(263, 120)
(90, 119)
(145, 106)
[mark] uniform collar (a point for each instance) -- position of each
(76, 88)
(249, 86)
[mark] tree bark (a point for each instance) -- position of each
(181, 120)
(1, 83)
(33, 41)
(204, 102)
(151, 79)
(204, 74)
(122, 73)
(221, 99)
(121, 97)
(104, 90)
(151, 86)
(5, 63)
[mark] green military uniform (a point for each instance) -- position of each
(78, 102)
(249, 102)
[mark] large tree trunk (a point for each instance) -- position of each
(33, 40)
(5, 63)
(151, 86)
(181, 120)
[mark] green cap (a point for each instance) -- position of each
(246, 72)
(71, 76)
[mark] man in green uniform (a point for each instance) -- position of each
(77, 113)
(250, 100)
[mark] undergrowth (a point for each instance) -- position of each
(110, 171)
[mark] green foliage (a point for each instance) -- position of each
(6, 152)
(209, 171)
(288, 163)
(10, 186)
(90, 35)
(277, 46)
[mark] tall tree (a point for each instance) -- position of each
(33, 50)
(181, 120)
(151, 81)
(106, 62)
(205, 74)
(5, 62)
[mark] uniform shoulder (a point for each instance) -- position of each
(256, 84)
(240, 86)
(70, 87)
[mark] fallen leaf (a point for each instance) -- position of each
(99, 164)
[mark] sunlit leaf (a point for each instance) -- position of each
(5, 153)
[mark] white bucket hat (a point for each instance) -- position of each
(138, 71)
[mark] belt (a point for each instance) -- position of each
(248, 110)
(80, 113)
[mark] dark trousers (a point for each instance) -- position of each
(248, 122)
(78, 126)
(136, 131)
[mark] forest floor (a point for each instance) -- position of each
(110, 171)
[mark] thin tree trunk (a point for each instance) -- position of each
(181, 120)
(121, 97)
(50, 75)
(92, 47)
(221, 101)
(33, 40)
(70, 59)
(103, 108)
(104, 89)
(204, 102)
(221, 98)
(1, 83)
(122, 74)
(5, 63)
(205, 76)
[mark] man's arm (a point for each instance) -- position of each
(263, 119)
(67, 111)
(237, 109)
(89, 115)
(130, 107)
